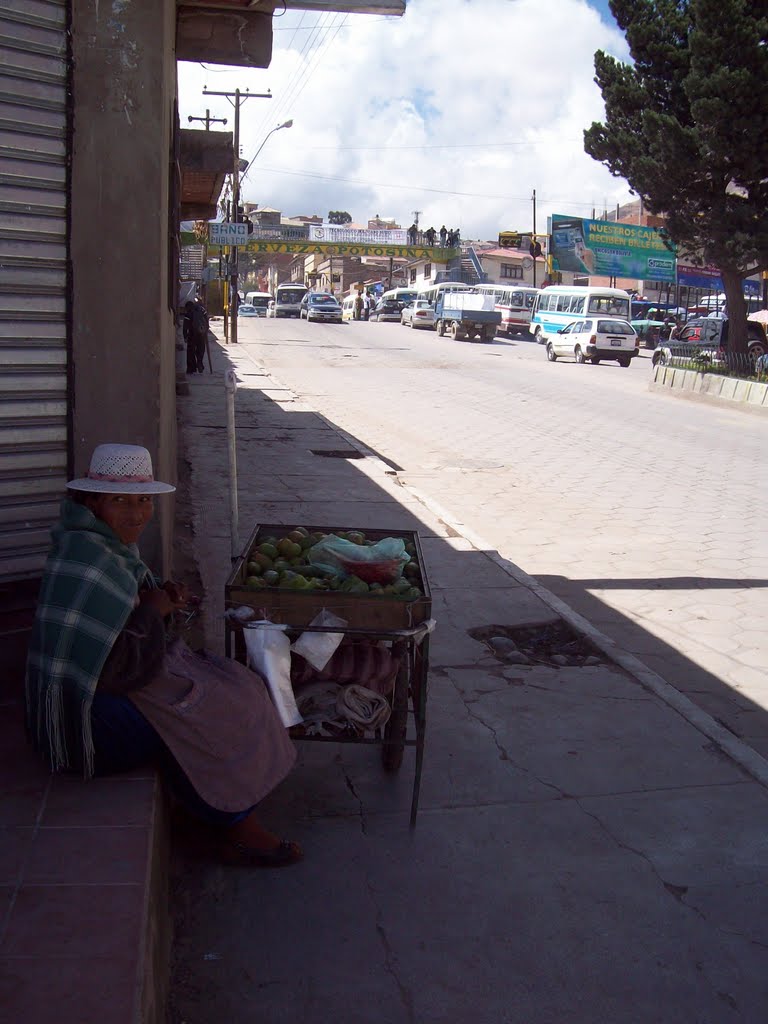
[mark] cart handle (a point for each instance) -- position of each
(416, 632)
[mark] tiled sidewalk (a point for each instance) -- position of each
(80, 926)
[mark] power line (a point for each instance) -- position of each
(316, 59)
(292, 96)
(317, 30)
(420, 188)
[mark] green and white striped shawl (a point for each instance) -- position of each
(88, 591)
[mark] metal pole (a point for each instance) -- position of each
(235, 220)
(230, 383)
(233, 268)
(534, 236)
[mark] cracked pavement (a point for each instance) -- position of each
(582, 852)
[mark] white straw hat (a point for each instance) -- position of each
(120, 469)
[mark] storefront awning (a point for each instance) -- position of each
(239, 32)
(205, 158)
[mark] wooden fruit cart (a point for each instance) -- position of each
(404, 625)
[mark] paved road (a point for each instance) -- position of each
(643, 511)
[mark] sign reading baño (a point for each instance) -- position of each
(224, 233)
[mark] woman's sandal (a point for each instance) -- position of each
(242, 855)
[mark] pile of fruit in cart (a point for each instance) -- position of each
(345, 561)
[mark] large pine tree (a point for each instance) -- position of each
(687, 125)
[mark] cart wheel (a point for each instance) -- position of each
(397, 726)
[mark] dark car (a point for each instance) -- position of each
(387, 309)
(321, 306)
(706, 339)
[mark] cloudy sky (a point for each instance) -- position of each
(459, 109)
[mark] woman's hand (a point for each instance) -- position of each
(159, 600)
(177, 592)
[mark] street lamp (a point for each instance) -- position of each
(285, 124)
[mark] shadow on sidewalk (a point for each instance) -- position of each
(582, 851)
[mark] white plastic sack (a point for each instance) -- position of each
(269, 654)
(317, 648)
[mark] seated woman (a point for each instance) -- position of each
(107, 691)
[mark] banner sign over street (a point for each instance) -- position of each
(412, 252)
(364, 236)
(610, 249)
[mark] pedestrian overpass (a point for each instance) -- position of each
(321, 240)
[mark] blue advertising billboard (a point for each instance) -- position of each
(610, 249)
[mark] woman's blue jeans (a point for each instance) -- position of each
(123, 740)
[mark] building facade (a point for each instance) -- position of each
(92, 168)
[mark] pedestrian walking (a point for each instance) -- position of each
(366, 305)
(195, 328)
(358, 307)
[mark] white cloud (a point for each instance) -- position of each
(453, 73)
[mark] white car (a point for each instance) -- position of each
(418, 314)
(594, 340)
(246, 309)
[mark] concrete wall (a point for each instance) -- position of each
(123, 349)
(748, 395)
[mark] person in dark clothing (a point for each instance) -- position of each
(443, 236)
(195, 335)
(412, 230)
(429, 234)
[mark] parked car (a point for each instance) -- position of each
(271, 308)
(418, 314)
(320, 306)
(706, 338)
(594, 340)
(387, 309)
(246, 309)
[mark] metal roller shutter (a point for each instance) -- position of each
(34, 141)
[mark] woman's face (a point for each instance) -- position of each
(126, 514)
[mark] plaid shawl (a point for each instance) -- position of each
(89, 589)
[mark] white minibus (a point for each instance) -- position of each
(432, 292)
(288, 298)
(559, 305)
(515, 303)
(259, 300)
(405, 296)
(348, 307)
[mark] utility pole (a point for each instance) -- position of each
(416, 215)
(533, 200)
(237, 102)
(208, 120)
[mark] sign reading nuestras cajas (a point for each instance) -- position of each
(224, 233)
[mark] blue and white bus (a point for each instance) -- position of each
(558, 305)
